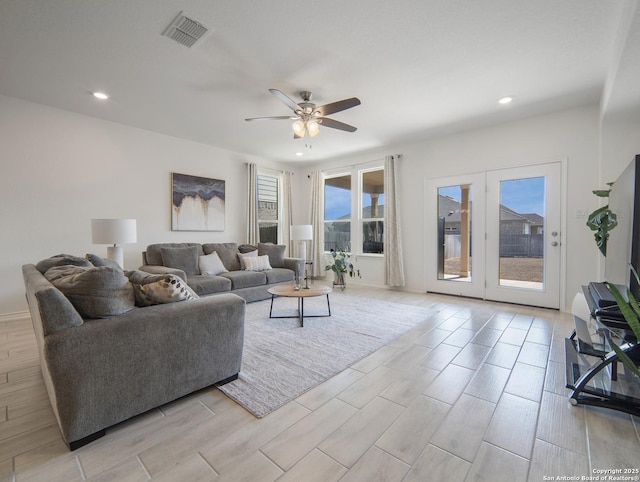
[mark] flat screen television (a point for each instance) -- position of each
(623, 245)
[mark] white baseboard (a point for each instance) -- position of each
(21, 315)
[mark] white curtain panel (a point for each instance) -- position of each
(253, 230)
(394, 263)
(317, 221)
(287, 211)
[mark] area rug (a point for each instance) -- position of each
(282, 360)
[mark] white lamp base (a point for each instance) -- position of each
(302, 253)
(115, 253)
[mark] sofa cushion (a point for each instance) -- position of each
(62, 260)
(245, 279)
(211, 264)
(256, 263)
(153, 255)
(228, 253)
(184, 258)
(275, 253)
(98, 261)
(247, 248)
(279, 275)
(156, 289)
(242, 256)
(95, 292)
(207, 284)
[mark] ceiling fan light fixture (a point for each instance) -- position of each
(313, 127)
(298, 128)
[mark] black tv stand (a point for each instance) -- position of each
(592, 367)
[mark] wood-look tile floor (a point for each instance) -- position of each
(474, 393)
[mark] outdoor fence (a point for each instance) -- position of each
(511, 245)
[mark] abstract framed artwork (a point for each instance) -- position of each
(197, 203)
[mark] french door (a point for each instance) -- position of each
(454, 236)
(496, 235)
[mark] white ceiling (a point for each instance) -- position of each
(420, 67)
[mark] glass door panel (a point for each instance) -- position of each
(522, 233)
(454, 231)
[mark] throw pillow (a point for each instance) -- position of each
(185, 258)
(153, 254)
(62, 260)
(257, 263)
(99, 261)
(95, 292)
(275, 253)
(228, 253)
(211, 264)
(247, 248)
(156, 289)
(242, 257)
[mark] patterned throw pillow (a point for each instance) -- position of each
(158, 289)
(257, 263)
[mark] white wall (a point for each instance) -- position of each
(572, 135)
(60, 170)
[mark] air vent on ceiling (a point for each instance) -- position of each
(186, 31)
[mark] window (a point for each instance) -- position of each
(268, 208)
(372, 213)
(354, 211)
(337, 213)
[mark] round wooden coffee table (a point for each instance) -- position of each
(287, 291)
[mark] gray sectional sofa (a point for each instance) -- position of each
(188, 261)
(105, 358)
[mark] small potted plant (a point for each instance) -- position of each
(631, 313)
(340, 265)
(602, 220)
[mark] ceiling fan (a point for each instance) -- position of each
(308, 117)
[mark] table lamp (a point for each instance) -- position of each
(302, 233)
(115, 232)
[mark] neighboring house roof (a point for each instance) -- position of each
(449, 208)
(535, 219)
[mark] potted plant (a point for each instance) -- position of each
(602, 221)
(631, 312)
(340, 265)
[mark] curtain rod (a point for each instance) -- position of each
(247, 163)
(357, 164)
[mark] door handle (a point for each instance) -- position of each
(554, 243)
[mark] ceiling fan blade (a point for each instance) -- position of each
(334, 124)
(285, 100)
(338, 106)
(277, 117)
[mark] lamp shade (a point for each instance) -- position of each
(301, 232)
(113, 231)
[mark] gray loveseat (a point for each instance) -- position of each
(186, 261)
(99, 372)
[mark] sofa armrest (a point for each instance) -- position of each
(295, 264)
(155, 269)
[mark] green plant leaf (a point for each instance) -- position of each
(602, 192)
(628, 312)
(624, 358)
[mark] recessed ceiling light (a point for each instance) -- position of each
(100, 95)
(299, 154)
(505, 100)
